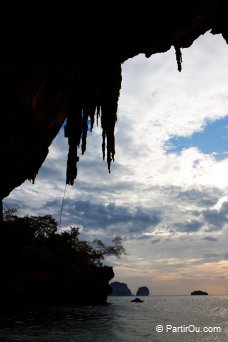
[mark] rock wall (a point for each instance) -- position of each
(75, 73)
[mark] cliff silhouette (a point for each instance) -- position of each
(41, 265)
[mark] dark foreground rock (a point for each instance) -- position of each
(88, 286)
(143, 291)
(41, 266)
(120, 289)
(199, 293)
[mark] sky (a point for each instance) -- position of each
(167, 194)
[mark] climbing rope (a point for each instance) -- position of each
(61, 210)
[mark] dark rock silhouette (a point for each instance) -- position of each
(42, 84)
(143, 291)
(120, 289)
(40, 265)
(199, 293)
(137, 300)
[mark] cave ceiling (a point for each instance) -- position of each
(43, 85)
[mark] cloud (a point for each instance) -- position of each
(200, 197)
(110, 218)
(143, 237)
(188, 227)
(212, 255)
(216, 219)
(156, 241)
(210, 238)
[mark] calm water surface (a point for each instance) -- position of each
(121, 320)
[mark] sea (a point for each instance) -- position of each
(157, 318)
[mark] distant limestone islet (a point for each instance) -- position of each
(199, 293)
(120, 289)
(143, 291)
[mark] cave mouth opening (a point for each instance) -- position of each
(162, 101)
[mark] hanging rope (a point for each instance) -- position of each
(61, 210)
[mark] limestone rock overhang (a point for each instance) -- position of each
(78, 75)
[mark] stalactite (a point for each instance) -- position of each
(73, 131)
(87, 112)
(92, 114)
(84, 129)
(34, 177)
(98, 113)
(108, 120)
(109, 106)
(178, 58)
(103, 144)
(72, 163)
(77, 120)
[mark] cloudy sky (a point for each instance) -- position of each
(167, 194)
